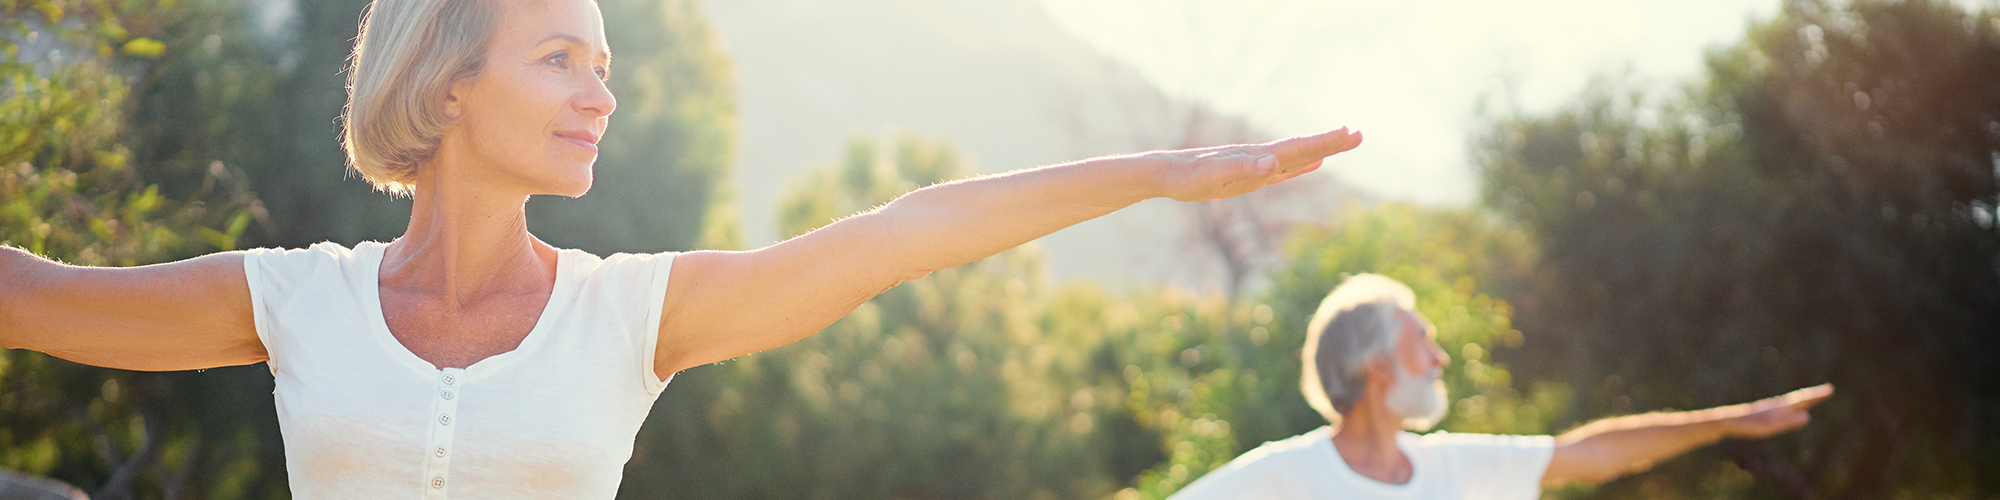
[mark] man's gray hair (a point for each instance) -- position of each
(1357, 322)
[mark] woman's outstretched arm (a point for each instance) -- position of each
(182, 315)
(726, 304)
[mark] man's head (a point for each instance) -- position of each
(1367, 342)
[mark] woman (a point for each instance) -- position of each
(468, 358)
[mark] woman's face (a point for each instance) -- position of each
(532, 118)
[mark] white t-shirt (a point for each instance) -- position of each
(364, 418)
(1443, 466)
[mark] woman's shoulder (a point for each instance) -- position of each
(311, 260)
(630, 276)
(590, 264)
(322, 250)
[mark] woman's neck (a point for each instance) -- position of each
(466, 241)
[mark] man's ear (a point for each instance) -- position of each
(1380, 371)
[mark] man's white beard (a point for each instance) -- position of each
(1418, 399)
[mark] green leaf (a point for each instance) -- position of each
(113, 30)
(216, 238)
(145, 47)
(109, 159)
(50, 10)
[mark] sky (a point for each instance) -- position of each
(1409, 74)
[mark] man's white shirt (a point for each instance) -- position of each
(1443, 466)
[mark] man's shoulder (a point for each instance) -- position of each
(1290, 448)
(1455, 440)
(1465, 456)
(1495, 465)
(1270, 471)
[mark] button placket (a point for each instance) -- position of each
(450, 385)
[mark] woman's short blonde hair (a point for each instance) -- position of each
(405, 60)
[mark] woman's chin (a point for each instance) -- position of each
(570, 186)
(576, 191)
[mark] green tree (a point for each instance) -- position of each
(1819, 208)
(83, 185)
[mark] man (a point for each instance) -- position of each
(1372, 368)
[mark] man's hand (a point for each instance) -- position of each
(1774, 415)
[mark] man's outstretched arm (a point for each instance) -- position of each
(1606, 449)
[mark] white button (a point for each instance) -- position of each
(444, 419)
(449, 379)
(439, 452)
(447, 394)
(437, 482)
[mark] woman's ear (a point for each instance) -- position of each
(453, 105)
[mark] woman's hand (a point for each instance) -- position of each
(1223, 172)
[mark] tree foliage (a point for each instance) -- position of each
(83, 182)
(1820, 208)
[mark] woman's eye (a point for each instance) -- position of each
(603, 74)
(559, 59)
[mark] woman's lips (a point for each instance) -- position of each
(581, 138)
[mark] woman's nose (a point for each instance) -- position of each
(597, 100)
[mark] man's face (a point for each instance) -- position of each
(1417, 352)
(1418, 394)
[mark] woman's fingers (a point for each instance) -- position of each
(1300, 151)
(1235, 170)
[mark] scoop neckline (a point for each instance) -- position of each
(410, 359)
(1352, 476)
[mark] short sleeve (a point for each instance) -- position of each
(253, 274)
(640, 282)
(1496, 466)
(295, 286)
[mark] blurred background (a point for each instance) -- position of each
(1606, 207)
